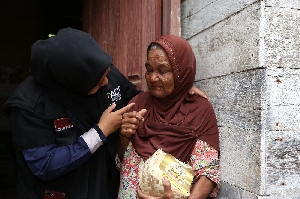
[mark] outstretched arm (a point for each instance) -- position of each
(50, 161)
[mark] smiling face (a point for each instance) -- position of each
(159, 74)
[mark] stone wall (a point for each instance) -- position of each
(248, 56)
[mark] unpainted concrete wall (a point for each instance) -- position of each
(248, 56)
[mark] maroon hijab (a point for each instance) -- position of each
(174, 123)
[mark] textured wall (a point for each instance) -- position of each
(282, 97)
(247, 59)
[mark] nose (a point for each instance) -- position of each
(105, 81)
(154, 77)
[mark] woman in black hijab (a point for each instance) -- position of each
(64, 119)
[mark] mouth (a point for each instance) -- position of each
(156, 88)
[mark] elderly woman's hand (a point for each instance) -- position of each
(168, 194)
(194, 90)
(131, 121)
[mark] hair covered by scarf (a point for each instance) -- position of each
(68, 66)
(68, 60)
(176, 122)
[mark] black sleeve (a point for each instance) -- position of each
(28, 131)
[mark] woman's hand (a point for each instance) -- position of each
(111, 121)
(194, 90)
(168, 194)
(131, 121)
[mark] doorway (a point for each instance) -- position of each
(123, 28)
(22, 23)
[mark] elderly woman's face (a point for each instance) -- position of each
(159, 75)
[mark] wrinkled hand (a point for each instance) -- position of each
(131, 121)
(111, 121)
(168, 194)
(194, 90)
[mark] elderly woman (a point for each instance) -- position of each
(180, 124)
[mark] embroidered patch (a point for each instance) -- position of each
(115, 94)
(62, 124)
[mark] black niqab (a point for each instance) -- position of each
(69, 65)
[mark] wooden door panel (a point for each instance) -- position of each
(124, 28)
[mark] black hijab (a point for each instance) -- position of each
(69, 65)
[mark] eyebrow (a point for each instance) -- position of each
(160, 65)
(163, 66)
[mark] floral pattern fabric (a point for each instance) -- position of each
(204, 161)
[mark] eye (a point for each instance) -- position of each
(148, 69)
(162, 72)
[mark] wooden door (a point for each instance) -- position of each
(124, 28)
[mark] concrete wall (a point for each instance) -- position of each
(248, 62)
